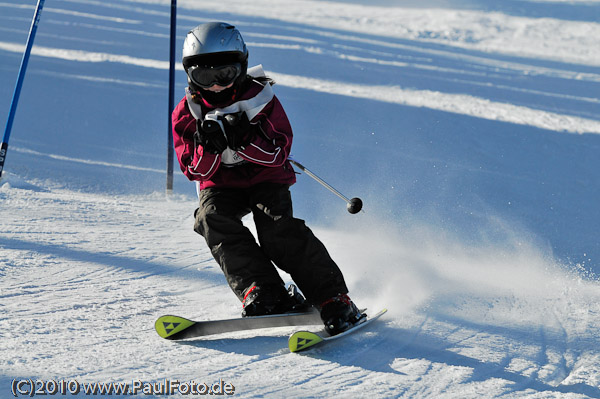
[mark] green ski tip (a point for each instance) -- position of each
(167, 326)
(301, 340)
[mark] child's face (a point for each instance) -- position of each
(216, 88)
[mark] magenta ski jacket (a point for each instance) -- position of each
(264, 160)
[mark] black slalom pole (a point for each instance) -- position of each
(17, 92)
(170, 155)
(354, 205)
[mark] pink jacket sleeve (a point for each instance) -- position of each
(272, 148)
(193, 161)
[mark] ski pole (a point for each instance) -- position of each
(354, 205)
(172, 44)
(17, 92)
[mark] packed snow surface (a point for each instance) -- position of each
(470, 129)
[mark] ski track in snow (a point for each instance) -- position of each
(456, 103)
(89, 273)
(449, 102)
(84, 274)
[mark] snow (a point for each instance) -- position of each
(469, 129)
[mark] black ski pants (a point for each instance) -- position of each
(282, 240)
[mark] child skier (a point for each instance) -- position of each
(232, 136)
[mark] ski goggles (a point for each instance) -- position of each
(206, 77)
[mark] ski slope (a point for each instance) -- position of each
(470, 129)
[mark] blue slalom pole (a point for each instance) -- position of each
(17, 92)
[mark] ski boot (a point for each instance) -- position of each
(339, 314)
(273, 299)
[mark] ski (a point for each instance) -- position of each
(176, 328)
(302, 340)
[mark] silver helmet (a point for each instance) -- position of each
(214, 43)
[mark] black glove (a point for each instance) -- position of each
(210, 136)
(239, 130)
